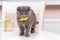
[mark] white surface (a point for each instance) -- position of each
(0, 34)
(0, 20)
(52, 25)
(51, 36)
(53, 2)
(43, 35)
(52, 19)
(0, 3)
(0, 31)
(48, 2)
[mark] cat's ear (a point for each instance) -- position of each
(28, 8)
(18, 8)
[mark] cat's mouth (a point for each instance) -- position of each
(23, 19)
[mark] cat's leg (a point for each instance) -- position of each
(27, 31)
(33, 28)
(21, 31)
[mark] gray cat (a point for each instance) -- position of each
(26, 26)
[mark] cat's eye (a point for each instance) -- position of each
(21, 13)
(25, 13)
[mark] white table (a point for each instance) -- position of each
(50, 35)
(42, 36)
(0, 31)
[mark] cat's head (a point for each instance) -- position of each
(23, 11)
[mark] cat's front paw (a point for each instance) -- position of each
(21, 34)
(32, 31)
(27, 35)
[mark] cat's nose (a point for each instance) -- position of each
(23, 17)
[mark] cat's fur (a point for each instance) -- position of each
(27, 26)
